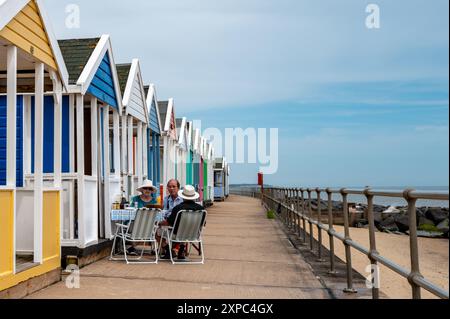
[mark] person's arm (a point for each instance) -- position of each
(173, 215)
(133, 199)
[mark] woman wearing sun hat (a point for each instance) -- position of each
(147, 197)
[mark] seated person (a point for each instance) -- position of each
(147, 197)
(189, 195)
(172, 200)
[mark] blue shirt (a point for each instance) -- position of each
(169, 204)
(141, 203)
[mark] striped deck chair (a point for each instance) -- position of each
(141, 231)
(189, 231)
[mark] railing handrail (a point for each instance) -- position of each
(302, 209)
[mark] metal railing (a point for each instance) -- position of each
(296, 210)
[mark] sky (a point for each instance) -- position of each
(354, 106)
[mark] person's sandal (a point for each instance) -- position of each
(132, 251)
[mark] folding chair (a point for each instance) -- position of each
(190, 227)
(142, 230)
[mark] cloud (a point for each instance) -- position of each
(210, 54)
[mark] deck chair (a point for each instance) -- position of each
(142, 230)
(190, 227)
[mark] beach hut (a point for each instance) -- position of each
(227, 179)
(208, 193)
(169, 140)
(91, 145)
(153, 136)
(190, 154)
(219, 179)
(197, 163)
(182, 150)
(32, 79)
(134, 123)
(210, 172)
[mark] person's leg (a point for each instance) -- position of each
(181, 252)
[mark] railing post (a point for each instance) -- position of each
(297, 209)
(311, 235)
(413, 246)
(319, 223)
(302, 190)
(373, 247)
(348, 253)
(330, 231)
(285, 205)
(288, 204)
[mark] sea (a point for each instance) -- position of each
(392, 201)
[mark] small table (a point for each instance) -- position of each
(123, 214)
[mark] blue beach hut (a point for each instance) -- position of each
(91, 139)
(153, 136)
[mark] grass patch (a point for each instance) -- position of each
(428, 227)
(271, 214)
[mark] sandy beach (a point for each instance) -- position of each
(434, 259)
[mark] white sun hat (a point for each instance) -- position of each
(188, 193)
(147, 184)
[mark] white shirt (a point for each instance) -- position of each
(169, 204)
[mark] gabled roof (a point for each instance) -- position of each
(190, 134)
(123, 71)
(210, 151)
(10, 8)
(179, 121)
(197, 141)
(132, 89)
(76, 53)
(150, 93)
(95, 50)
(162, 107)
(167, 112)
(182, 132)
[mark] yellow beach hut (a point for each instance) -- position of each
(32, 79)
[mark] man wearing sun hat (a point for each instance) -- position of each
(189, 195)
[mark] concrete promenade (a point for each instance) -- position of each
(247, 256)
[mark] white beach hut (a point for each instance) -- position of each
(169, 138)
(134, 124)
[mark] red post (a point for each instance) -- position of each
(261, 183)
